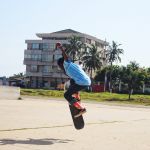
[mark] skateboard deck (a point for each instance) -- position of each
(79, 121)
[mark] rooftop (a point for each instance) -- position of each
(68, 33)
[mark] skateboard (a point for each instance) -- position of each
(79, 121)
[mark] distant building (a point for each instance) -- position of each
(3, 81)
(40, 57)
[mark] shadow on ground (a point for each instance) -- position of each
(47, 141)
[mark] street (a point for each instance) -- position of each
(36, 124)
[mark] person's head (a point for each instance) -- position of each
(80, 62)
(60, 63)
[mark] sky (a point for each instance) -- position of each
(126, 22)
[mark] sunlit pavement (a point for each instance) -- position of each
(36, 124)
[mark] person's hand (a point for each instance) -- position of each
(58, 45)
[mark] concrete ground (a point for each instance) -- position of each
(35, 124)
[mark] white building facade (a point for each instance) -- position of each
(40, 57)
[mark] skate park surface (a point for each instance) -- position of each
(46, 124)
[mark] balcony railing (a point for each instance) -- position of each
(46, 74)
(37, 62)
(34, 74)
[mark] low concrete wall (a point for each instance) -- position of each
(9, 92)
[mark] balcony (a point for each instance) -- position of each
(37, 62)
(34, 74)
(46, 74)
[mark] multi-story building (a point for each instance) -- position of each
(40, 57)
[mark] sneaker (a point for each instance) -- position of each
(82, 111)
(78, 105)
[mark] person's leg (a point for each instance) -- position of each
(75, 95)
(72, 90)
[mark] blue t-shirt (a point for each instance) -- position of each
(75, 72)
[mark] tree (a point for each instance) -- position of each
(146, 76)
(104, 74)
(121, 73)
(17, 79)
(134, 77)
(74, 48)
(100, 75)
(19, 75)
(114, 55)
(133, 65)
(148, 70)
(91, 59)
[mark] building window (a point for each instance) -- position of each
(47, 58)
(26, 56)
(47, 68)
(35, 46)
(33, 68)
(45, 46)
(40, 46)
(52, 46)
(36, 57)
(29, 46)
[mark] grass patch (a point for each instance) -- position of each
(99, 97)
(41, 92)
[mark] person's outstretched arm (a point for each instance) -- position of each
(58, 45)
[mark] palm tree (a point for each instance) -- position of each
(113, 55)
(121, 73)
(133, 65)
(92, 60)
(74, 48)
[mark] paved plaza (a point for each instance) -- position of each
(46, 124)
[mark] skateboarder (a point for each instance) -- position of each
(79, 79)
